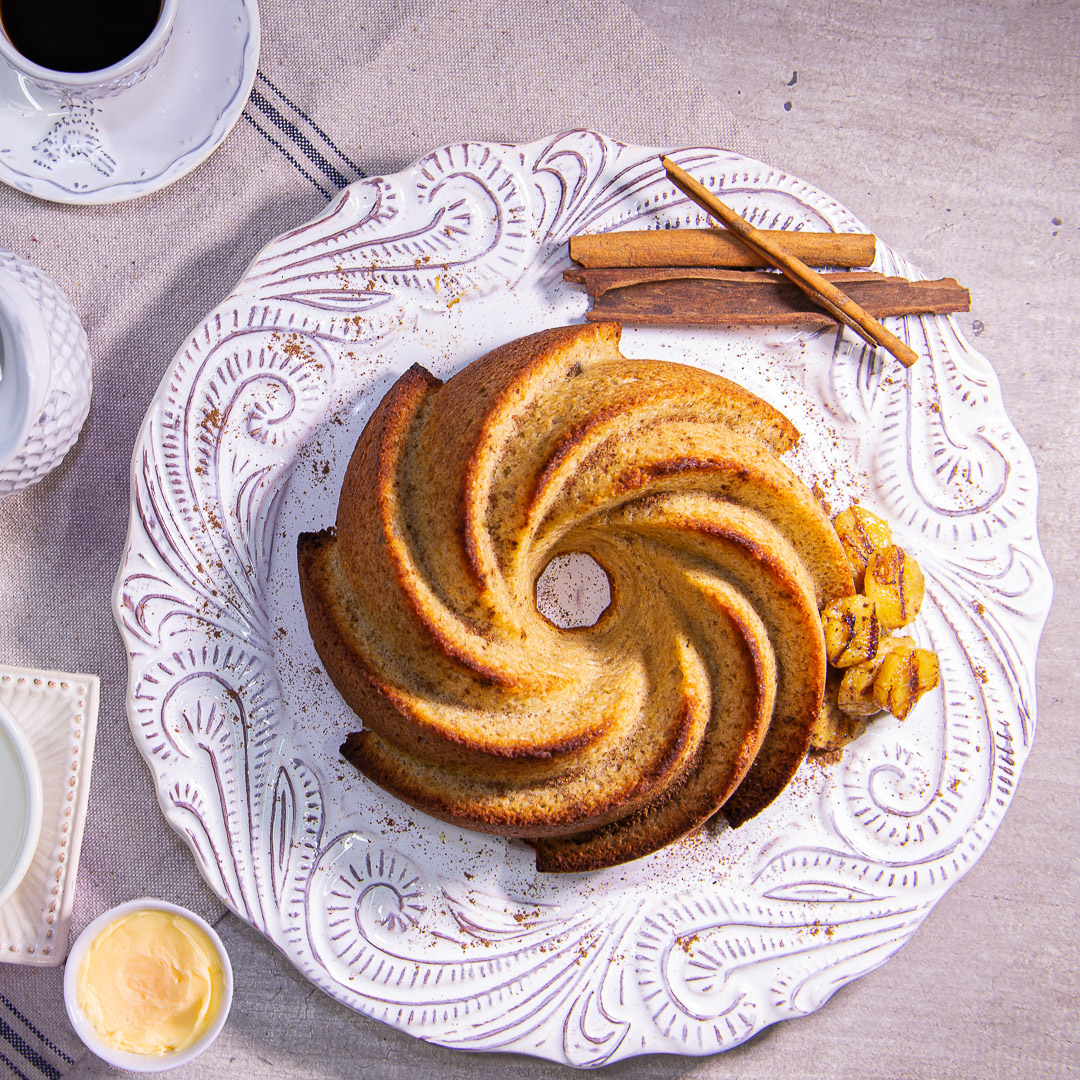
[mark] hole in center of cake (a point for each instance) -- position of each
(573, 591)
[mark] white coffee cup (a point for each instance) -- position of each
(87, 85)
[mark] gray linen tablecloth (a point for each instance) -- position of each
(353, 89)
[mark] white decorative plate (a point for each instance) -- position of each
(20, 804)
(451, 935)
(127, 145)
(57, 714)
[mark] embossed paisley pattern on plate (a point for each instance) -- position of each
(451, 935)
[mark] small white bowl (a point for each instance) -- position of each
(125, 1059)
(20, 804)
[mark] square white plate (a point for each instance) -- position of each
(57, 712)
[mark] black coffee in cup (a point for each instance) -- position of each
(78, 35)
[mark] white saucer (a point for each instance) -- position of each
(20, 804)
(118, 148)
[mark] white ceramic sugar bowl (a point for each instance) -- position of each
(44, 374)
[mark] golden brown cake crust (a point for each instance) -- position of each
(696, 690)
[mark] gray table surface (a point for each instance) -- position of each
(952, 131)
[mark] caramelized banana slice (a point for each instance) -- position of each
(855, 695)
(904, 676)
(834, 727)
(861, 534)
(852, 630)
(896, 584)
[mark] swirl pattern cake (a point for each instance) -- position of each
(697, 688)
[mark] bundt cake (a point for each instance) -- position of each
(695, 690)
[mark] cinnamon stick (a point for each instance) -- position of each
(821, 292)
(599, 280)
(717, 247)
(679, 296)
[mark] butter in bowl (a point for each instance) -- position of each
(148, 986)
